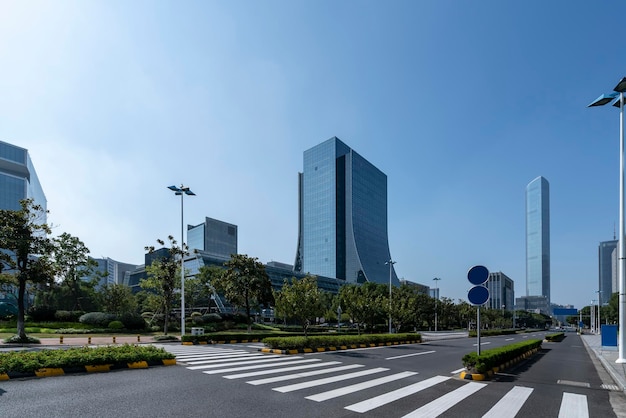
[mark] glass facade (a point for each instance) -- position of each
(343, 216)
(538, 238)
(501, 292)
(18, 179)
(607, 269)
(214, 237)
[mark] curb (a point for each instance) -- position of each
(254, 340)
(340, 348)
(61, 371)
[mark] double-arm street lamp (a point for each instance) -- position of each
(436, 279)
(618, 93)
(390, 263)
(182, 191)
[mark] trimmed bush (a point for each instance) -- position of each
(496, 357)
(99, 319)
(115, 325)
(41, 313)
(133, 321)
(325, 341)
(29, 361)
(556, 337)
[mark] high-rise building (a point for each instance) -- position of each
(501, 292)
(214, 237)
(18, 179)
(607, 270)
(343, 216)
(538, 239)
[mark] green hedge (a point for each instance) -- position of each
(496, 357)
(337, 340)
(226, 336)
(556, 337)
(29, 361)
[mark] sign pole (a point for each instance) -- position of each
(478, 330)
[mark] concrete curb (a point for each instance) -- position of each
(340, 348)
(61, 371)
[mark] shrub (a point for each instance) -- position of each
(17, 340)
(495, 357)
(556, 337)
(99, 319)
(133, 321)
(194, 314)
(41, 313)
(115, 325)
(338, 340)
(165, 338)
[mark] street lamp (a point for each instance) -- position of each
(621, 267)
(390, 263)
(436, 279)
(592, 321)
(182, 191)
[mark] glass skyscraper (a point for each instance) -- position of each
(18, 179)
(342, 216)
(538, 238)
(607, 272)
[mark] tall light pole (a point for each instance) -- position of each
(182, 191)
(592, 321)
(599, 327)
(390, 263)
(436, 279)
(604, 99)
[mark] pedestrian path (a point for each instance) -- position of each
(321, 380)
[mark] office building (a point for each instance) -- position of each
(538, 239)
(343, 216)
(18, 179)
(607, 270)
(213, 237)
(112, 272)
(501, 292)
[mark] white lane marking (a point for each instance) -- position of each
(509, 339)
(386, 398)
(485, 343)
(320, 397)
(573, 406)
(264, 366)
(410, 355)
(510, 404)
(445, 402)
(458, 371)
(306, 374)
(222, 359)
(573, 383)
(352, 350)
(319, 382)
(239, 363)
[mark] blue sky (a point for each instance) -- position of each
(460, 103)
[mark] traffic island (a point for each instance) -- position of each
(47, 363)
(490, 362)
(297, 345)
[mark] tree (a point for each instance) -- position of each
(245, 284)
(200, 288)
(26, 251)
(72, 263)
(365, 304)
(301, 300)
(164, 277)
(117, 299)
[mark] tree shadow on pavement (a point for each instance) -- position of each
(512, 373)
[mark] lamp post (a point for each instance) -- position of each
(592, 321)
(436, 279)
(599, 326)
(604, 99)
(390, 263)
(182, 191)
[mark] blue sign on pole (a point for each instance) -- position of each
(478, 295)
(478, 275)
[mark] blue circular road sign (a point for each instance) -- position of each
(478, 295)
(478, 275)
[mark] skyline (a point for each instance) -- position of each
(460, 106)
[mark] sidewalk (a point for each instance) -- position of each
(79, 341)
(607, 356)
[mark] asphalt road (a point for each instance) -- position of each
(410, 380)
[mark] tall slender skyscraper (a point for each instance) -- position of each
(343, 216)
(538, 239)
(607, 270)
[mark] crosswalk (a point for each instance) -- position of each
(287, 374)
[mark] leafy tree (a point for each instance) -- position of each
(200, 288)
(301, 300)
(26, 251)
(117, 299)
(245, 284)
(72, 263)
(164, 277)
(365, 304)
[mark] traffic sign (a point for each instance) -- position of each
(478, 275)
(478, 295)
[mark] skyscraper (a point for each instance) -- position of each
(214, 237)
(18, 179)
(538, 239)
(607, 270)
(343, 216)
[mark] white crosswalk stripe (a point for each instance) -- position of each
(233, 363)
